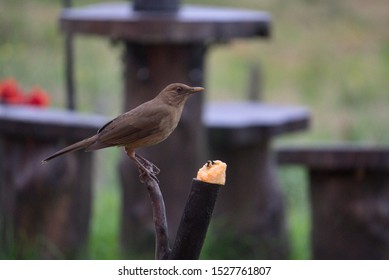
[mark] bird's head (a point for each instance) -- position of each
(176, 94)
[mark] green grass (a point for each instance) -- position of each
(331, 56)
(295, 188)
(104, 243)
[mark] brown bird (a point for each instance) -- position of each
(148, 124)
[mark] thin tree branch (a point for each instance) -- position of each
(162, 248)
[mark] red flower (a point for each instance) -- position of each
(37, 97)
(10, 92)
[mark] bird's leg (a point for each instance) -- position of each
(145, 167)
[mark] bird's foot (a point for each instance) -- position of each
(146, 173)
(147, 164)
(146, 169)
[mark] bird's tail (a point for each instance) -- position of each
(72, 148)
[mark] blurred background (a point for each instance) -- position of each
(330, 56)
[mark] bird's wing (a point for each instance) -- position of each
(132, 126)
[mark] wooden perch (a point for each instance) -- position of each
(197, 214)
(195, 220)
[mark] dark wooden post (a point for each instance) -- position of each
(195, 221)
(69, 66)
(44, 209)
(349, 190)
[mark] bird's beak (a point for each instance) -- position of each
(196, 89)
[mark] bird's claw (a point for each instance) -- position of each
(146, 169)
(145, 173)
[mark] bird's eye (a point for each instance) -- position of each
(179, 90)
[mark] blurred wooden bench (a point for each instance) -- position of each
(241, 134)
(349, 190)
(44, 209)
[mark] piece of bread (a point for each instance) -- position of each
(213, 172)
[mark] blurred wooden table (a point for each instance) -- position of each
(251, 208)
(160, 48)
(44, 209)
(349, 191)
